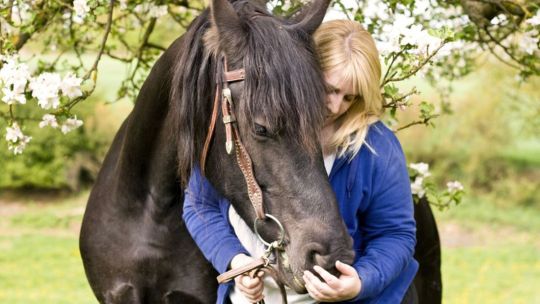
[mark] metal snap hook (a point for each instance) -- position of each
(281, 232)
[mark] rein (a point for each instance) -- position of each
(233, 142)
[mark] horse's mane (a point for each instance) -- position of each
(283, 83)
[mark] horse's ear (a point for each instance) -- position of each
(228, 24)
(310, 16)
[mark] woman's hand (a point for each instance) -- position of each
(333, 289)
(251, 288)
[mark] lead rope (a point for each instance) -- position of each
(260, 264)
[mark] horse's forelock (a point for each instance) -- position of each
(284, 83)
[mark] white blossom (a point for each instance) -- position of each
(454, 186)
(20, 13)
(417, 187)
(7, 29)
(415, 35)
(534, 20)
(71, 124)
(123, 4)
(529, 42)
(12, 97)
(71, 86)
(158, 11)
(81, 9)
(16, 139)
(48, 120)
(423, 8)
(499, 19)
(20, 146)
(421, 168)
(151, 9)
(14, 133)
(45, 88)
(14, 75)
(375, 9)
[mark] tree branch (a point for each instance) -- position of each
(418, 68)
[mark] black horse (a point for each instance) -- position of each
(134, 245)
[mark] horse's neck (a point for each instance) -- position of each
(146, 164)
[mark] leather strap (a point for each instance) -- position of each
(235, 75)
(233, 273)
(210, 132)
(232, 76)
(246, 166)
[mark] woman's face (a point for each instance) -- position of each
(340, 96)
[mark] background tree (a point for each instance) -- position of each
(51, 53)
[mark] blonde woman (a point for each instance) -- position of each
(367, 171)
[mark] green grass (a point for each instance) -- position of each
(479, 211)
(40, 260)
(494, 274)
(37, 268)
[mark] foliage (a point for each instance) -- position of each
(485, 143)
(54, 160)
(414, 37)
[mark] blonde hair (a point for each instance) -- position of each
(345, 46)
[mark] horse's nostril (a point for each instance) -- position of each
(321, 260)
(316, 255)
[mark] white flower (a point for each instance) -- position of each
(11, 97)
(423, 8)
(151, 9)
(417, 187)
(375, 9)
(529, 42)
(14, 75)
(499, 19)
(14, 133)
(71, 124)
(534, 20)
(421, 168)
(158, 11)
(81, 9)
(20, 13)
(123, 4)
(45, 88)
(20, 146)
(71, 86)
(454, 186)
(48, 120)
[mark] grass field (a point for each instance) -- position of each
(489, 256)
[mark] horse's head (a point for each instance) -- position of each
(279, 109)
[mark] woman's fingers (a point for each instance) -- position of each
(251, 288)
(328, 278)
(321, 287)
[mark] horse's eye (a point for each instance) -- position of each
(261, 130)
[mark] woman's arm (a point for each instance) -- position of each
(387, 226)
(205, 214)
(207, 224)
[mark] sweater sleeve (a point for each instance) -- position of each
(387, 226)
(208, 225)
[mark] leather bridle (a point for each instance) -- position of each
(233, 142)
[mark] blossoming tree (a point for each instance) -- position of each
(440, 40)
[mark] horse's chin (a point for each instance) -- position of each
(292, 279)
(294, 282)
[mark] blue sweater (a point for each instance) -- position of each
(374, 196)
